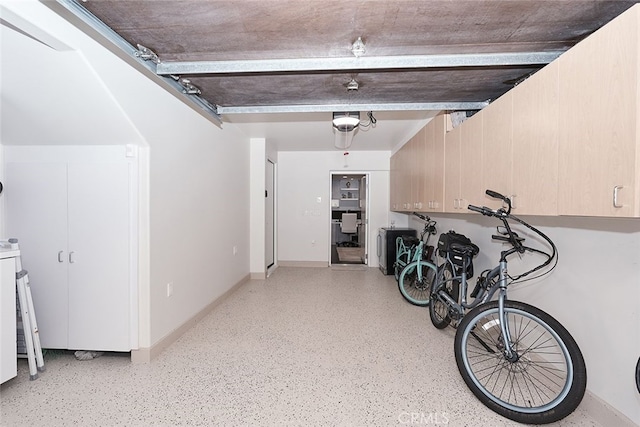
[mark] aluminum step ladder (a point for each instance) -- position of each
(28, 314)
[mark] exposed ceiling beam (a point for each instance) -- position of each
(86, 17)
(369, 63)
(427, 106)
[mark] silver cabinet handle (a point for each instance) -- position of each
(71, 258)
(60, 256)
(615, 196)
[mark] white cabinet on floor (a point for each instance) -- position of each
(74, 224)
(8, 365)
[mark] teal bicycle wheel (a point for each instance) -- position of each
(415, 282)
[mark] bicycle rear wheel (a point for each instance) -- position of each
(438, 309)
(415, 282)
(397, 270)
(546, 380)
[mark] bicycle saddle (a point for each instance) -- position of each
(410, 240)
(468, 249)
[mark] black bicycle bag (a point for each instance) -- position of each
(448, 247)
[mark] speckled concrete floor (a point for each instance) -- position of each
(310, 347)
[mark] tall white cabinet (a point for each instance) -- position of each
(74, 221)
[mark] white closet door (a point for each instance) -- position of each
(36, 214)
(99, 263)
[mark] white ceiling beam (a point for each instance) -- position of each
(364, 63)
(427, 106)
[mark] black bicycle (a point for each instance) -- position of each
(518, 360)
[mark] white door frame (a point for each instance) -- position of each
(270, 209)
(332, 173)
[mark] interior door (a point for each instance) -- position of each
(99, 256)
(364, 219)
(270, 215)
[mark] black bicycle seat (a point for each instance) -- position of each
(410, 240)
(468, 249)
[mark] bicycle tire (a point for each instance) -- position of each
(439, 310)
(533, 389)
(638, 375)
(415, 282)
(396, 270)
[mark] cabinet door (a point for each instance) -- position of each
(471, 145)
(419, 163)
(405, 177)
(99, 256)
(435, 153)
(394, 186)
(598, 119)
(452, 170)
(496, 148)
(535, 144)
(36, 214)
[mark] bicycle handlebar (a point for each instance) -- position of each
(483, 210)
(503, 215)
(516, 241)
(429, 225)
(422, 217)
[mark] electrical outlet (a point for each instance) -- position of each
(235, 250)
(169, 289)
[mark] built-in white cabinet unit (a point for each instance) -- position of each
(74, 223)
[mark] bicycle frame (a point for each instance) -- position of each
(414, 253)
(496, 280)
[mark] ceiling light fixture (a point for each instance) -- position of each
(353, 85)
(344, 126)
(358, 49)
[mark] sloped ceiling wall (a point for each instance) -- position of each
(54, 97)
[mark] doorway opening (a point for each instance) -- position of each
(349, 224)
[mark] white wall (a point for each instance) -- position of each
(594, 292)
(198, 174)
(303, 223)
(257, 208)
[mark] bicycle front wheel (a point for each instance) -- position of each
(415, 282)
(438, 308)
(544, 381)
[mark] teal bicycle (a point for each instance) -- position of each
(414, 266)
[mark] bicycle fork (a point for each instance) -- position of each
(508, 352)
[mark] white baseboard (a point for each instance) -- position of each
(604, 413)
(303, 264)
(145, 355)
